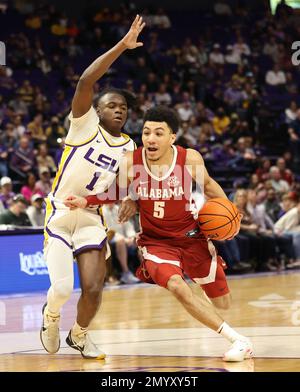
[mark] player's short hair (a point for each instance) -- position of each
(129, 97)
(163, 114)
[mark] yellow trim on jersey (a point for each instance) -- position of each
(65, 155)
(82, 143)
(112, 144)
(49, 210)
(103, 218)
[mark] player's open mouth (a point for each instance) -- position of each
(152, 149)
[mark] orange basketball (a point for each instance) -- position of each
(219, 219)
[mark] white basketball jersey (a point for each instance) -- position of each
(90, 160)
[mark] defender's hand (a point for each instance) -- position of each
(127, 209)
(130, 39)
(74, 202)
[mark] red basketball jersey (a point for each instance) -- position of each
(165, 203)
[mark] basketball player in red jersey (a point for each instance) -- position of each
(160, 176)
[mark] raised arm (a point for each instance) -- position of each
(83, 97)
(196, 167)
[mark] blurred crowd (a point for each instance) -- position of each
(228, 73)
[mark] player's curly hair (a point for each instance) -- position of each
(163, 114)
(129, 97)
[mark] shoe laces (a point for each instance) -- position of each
(52, 325)
(80, 339)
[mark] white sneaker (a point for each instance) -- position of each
(240, 350)
(129, 278)
(293, 264)
(49, 333)
(86, 347)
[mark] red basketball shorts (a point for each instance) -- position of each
(191, 257)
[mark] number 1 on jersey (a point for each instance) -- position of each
(91, 185)
(159, 209)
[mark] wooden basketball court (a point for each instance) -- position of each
(143, 328)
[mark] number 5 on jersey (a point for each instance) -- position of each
(159, 209)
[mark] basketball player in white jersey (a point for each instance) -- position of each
(94, 146)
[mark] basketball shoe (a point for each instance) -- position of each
(240, 350)
(49, 333)
(84, 344)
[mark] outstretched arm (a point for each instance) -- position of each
(196, 167)
(83, 97)
(116, 192)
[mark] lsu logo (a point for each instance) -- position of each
(102, 161)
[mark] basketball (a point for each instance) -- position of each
(219, 219)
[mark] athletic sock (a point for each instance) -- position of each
(77, 330)
(229, 333)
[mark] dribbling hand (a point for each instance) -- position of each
(127, 209)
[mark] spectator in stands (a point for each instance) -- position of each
(263, 170)
(272, 205)
(16, 214)
(289, 224)
(232, 57)
(36, 130)
(44, 159)
(35, 212)
(19, 129)
(23, 159)
(216, 56)
(221, 121)
(294, 133)
(279, 185)
(162, 97)
(234, 95)
(230, 252)
(60, 107)
(6, 194)
(271, 49)
(161, 19)
(291, 112)
(18, 106)
(44, 184)
(30, 188)
(241, 48)
(221, 8)
(282, 245)
(185, 111)
(134, 124)
(26, 92)
(286, 174)
(275, 76)
(261, 246)
(3, 160)
(123, 238)
(54, 133)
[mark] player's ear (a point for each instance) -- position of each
(173, 138)
(99, 113)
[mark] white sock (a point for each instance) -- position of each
(77, 330)
(229, 333)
